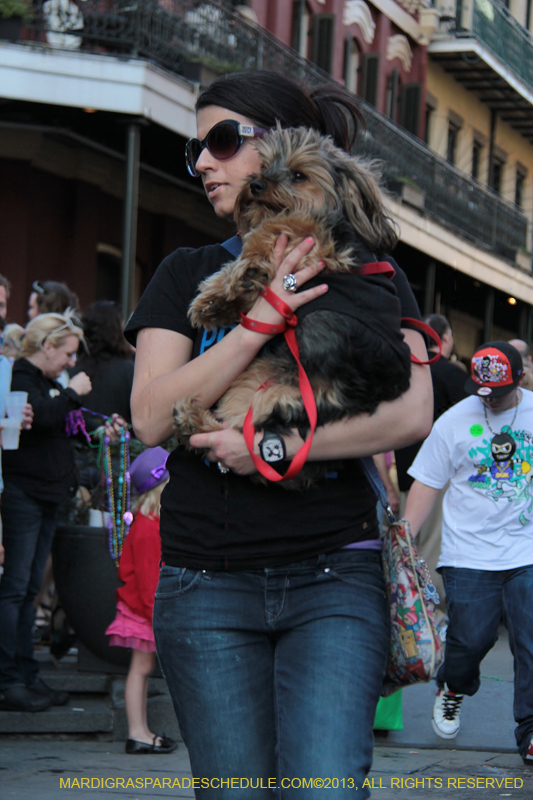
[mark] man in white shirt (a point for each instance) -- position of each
(484, 447)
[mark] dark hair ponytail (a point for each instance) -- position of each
(268, 98)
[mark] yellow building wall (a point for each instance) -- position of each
(518, 9)
(452, 97)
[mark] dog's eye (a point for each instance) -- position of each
(298, 177)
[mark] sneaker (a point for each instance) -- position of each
(528, 758)
(447, 713)
(56, 696)
(20, 698)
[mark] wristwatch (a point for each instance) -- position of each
(272, 448)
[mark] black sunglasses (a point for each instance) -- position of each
(223, 141)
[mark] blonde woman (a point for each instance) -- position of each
(13, 336)
(37, 477)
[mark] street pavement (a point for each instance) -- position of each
(481, 763)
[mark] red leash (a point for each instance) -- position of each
(416, 323)
(308, 397)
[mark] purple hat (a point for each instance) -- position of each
(149, 470)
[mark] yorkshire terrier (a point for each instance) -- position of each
(351, 346)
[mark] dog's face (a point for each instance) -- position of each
(305, 171)
(296, 175)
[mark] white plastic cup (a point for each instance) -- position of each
(98, 519)
(15, 402)
(11, 432)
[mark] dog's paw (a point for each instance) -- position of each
(190, 418)
(208, 312)
(184, 414)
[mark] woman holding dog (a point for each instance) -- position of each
(270, 616)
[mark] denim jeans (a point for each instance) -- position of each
(29, 526)
(276, 673)
(477, 600)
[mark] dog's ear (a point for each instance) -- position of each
(358, 184)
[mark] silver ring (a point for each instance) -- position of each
(290, 283)
(224, 470)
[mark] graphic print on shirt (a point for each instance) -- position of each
(504, 468)
(216, 334)
(212, 337)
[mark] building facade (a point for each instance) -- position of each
(97, 103)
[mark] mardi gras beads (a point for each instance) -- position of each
(120, 516)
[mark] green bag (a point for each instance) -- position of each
(389, 715)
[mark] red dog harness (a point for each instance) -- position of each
(287, 328)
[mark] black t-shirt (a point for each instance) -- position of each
(111, 380)
(43, 465)
(221, 522)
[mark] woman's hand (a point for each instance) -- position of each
(227, 447)
(393, 498)
(27, 417)
(262, 311)
(80, 383)
(113, 428)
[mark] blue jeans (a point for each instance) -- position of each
(477, 600)
(29, 526)
(276, 673)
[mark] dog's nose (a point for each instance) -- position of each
(256, 187)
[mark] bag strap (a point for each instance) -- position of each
(233, 245)
(372, 474)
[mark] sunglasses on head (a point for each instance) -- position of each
(223, 141)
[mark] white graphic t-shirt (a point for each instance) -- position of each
(488, 508)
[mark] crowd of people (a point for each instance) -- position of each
(269, 613)
(40, 475)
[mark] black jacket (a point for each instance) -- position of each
(43, 466)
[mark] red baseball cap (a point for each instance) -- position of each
(496, 369)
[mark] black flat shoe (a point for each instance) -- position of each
(134, 748)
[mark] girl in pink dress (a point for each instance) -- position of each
(139, 572)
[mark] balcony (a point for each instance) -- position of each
(181, 35)
(487, 50)
(449, 196)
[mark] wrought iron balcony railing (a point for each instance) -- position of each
(450, 196)
(493, 25)
(174, 33)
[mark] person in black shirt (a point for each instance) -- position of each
(108, 361)
(109, 364)
(448, 381)
(37, 477)
(269, 602)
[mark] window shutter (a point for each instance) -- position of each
(347, 59)
(370, 78)
(391, 104)
(410, 107)
(323, 37)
